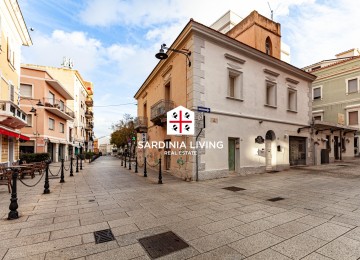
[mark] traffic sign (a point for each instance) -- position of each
(204, 109)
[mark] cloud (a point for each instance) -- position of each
(148, 13)
(110, 68)
(321, 30)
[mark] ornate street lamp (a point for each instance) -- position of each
(161, 55)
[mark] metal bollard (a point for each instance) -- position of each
(71, 166)
(13, 214)
(81, 163)
(160, 176)
(122, 160)
(136, 164)
(62, 172)
(145, 171)
(77, 163)
(125, 162)
(47, 185)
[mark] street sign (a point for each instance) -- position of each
(204, 109)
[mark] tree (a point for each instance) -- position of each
(123, 131)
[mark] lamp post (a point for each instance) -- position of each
(161, 55)
(33, 110)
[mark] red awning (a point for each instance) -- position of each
(13, 134)
(24, 137)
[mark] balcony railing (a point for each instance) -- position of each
(159, 110)
(141, 124)
(89, 102)
(89, 114)
(89, 126)
(11, 115)
(59, 108)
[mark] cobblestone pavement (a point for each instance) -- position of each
(318, 218)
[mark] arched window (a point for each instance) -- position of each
(268, 46)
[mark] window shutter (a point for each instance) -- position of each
(26, 90)
(352, 86)
(353, 118)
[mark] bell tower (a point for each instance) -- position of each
(260, 33)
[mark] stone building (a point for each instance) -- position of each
(258, 105)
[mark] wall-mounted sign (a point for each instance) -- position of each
(259, 139)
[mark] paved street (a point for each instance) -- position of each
(318, 218)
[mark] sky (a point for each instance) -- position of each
(113, 42)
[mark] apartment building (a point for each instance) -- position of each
(44, 100)
(258, 106)
(13, 35)
(74, 83)
(89, 115)
(335, 96)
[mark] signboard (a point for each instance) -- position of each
(204, 109)
(259, 140)
(341, 119)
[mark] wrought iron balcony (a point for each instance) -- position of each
(159, 110)
(141, 124)
(89, 114)
(11, 115)
(89, 126)
(58, 108)
(89, 102)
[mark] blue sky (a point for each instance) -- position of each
(113, 42)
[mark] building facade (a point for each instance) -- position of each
(73, 82)
(47, 119)
(13, 35)
(89, 115)
(258, 104)
(335, 98)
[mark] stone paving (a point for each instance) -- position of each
(318, 219)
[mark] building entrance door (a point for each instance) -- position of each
(297, 150)
(336, 147)
(231, 154)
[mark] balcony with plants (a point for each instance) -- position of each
(58, 108)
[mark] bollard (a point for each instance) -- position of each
(62, 172)
(125, 162)
(77, 163)
(47, 185)
(160, 176)
(13, 214)
(81, 163)
(145, 171)
(71, 166)
(130, 161)
(136, 165)
(122, 160)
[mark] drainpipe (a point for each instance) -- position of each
(197, 150)
(341, 145)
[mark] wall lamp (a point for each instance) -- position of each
(161, 55)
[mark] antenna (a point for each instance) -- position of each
(272, 11)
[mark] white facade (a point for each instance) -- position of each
(246, 115)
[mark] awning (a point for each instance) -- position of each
(13, 134)
(24, 137)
